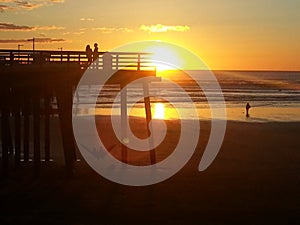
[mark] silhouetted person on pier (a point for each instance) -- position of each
(89, 54)
(247, 109)
(95, 53)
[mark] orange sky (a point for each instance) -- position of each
(232, 34)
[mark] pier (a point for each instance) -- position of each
(30, 80)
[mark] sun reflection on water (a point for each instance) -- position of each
(159, 111)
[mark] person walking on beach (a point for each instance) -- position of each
(89, 54)
(247, 109)
(95, 53)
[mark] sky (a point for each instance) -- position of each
(225, 34)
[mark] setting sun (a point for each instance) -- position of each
(164, 57)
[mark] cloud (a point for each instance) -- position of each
(13, 27)
(48, 40)
(4, 8)
(40, 40)
(108, 30)
(16, 5)
(78, 33)
(74, 33)
(27, 5)
(87, 19)
(48, 28)
(42, 34)
(164, 28)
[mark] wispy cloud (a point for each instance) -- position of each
(48, 28)
(78, 33)
(164, 28)
(4, 7)
(87, 19)
(108, 30)
(42, 34)
(41, 40)
(74, 33)
(27, 5)
(14, 27)
(57, 1)
(16, 5)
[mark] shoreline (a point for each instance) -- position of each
(235, 112)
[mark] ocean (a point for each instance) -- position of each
(272, 95)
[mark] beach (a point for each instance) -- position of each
(253, 180)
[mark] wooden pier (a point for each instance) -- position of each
(30, 79)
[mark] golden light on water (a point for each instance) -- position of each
(159, 111)
(164, 111)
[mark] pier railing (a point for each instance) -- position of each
(114, 60)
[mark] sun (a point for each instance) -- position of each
(164, 57)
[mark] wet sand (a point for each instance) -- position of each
(255, 179)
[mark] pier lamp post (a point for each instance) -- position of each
(61, 55)
(33, 55)
(33, 40)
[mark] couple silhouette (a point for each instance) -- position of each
(90, 54)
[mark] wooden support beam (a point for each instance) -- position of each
(26, 129)
(5, 138)
(36, 134)
(5, 128)
(148, 119)
(17, 127)
(124, 118)
(47, 127)
(64, 100)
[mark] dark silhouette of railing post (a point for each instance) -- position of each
(26, 111)
(17, 127)
(11, 56)
(5, 128)
(117, 62)
(36, 133)
(139, 62)
(65, 100)
(47, 123)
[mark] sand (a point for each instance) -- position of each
(255, 179)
